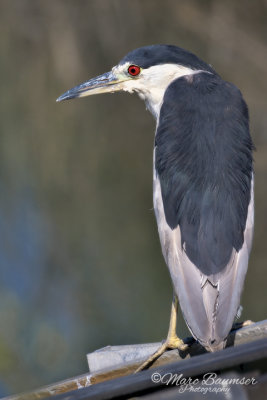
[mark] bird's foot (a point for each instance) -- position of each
(239, 325)
(170, 343)
(176, 343)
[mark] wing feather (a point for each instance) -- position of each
(209, 304)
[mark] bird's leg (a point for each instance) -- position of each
(172, 341)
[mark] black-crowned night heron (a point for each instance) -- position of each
(202, 185)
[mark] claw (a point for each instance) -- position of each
(239, 325)
(171, 343)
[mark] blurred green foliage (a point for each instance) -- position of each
(80, 260)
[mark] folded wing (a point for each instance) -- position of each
(203, 200)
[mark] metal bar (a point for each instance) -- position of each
(136, 383)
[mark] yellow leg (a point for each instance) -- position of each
(172, 341)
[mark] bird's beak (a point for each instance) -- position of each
(107, 82)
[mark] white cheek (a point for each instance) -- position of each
(131, 86)
(153, 82)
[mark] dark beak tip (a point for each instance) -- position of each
(62, 98)
(67, 96)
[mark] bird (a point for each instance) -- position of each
(203, 183)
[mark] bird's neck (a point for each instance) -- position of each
(157, 79)
(153, 101)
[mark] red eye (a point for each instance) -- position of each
(134, 70)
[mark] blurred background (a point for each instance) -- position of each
(80, 260)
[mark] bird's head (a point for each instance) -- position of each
(148, 71)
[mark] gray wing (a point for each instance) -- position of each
(209, 303)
